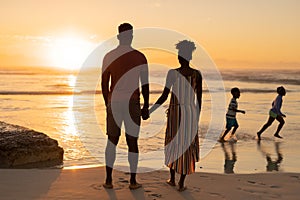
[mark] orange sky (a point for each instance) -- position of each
(235, 33)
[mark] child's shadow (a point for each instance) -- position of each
(229, 149)
(272, 164)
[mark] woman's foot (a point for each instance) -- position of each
(181, 188)
(171, 182)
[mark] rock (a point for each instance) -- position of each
(21, 147)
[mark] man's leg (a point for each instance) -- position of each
(132, 127)
(110, 157)
(133, 156)
(113, 124)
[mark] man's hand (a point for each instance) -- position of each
(145, 113)
(242, 111)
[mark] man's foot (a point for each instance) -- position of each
(108, 185)
(172, 183)
(134, 186)
(278, 136)
(258, 135)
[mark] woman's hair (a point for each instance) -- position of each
(185, 49)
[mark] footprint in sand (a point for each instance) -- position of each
(96, 186)
(100, 187)
(196, 189)
(252, 182)
(256, 183)
(296, 177)
(203, 176)
(275, 186)
(155, 195)
(122, 180)
(214, 194)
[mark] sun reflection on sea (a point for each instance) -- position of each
(75, 151)
(69, 125)
(72, 82)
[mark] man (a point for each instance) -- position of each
(123, 68)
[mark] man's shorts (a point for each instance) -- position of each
(118, 112)
(231, 122)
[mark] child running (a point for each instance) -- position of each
(231, 114)
(275, 113)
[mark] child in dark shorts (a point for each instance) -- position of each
(231, 114)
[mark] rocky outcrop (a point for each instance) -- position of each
(21, 147)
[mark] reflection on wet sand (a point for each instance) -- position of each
(229, 149)
(272, 164)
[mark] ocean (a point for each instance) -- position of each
(53, 102)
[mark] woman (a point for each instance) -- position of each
(181, 140)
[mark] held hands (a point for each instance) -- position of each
(145, 113)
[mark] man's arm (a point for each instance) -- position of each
(145, 91)
(105, 81)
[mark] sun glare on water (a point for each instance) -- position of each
(69, 52)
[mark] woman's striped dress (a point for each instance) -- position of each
(181, 140)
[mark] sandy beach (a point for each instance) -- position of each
(87, 184)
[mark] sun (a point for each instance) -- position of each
(69, 52)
